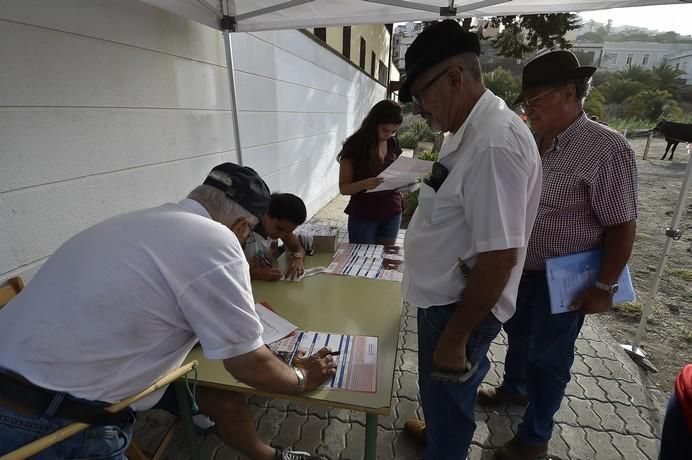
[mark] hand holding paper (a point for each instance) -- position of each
(402, 173)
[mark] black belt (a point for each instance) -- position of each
(37, 399)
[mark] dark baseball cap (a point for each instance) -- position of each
(242, 185)
(438, 42)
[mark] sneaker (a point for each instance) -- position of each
(290, 454)
(499, 396)
(416, 429)
(516, 449)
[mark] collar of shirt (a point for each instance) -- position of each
(194, 207)
(451, 143)
(563, 139)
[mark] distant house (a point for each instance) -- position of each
(682, 61)
(616, 56)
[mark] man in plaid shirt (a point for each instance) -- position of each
(588, 200)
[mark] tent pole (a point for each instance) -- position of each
(672, 234)
(231, 86)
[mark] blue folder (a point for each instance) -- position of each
(570, 274)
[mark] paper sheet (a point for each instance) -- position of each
(356, 364)
(368, 261)
(570, 274)
(404, 171)
(275, 327)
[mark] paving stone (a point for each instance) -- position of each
(409, 361)
(342, 415)
(598, 369)
(333, 438)
(634, 424)
(408, 386)
(557, 445)
(602, 444)
(209, 447)
(385, 443)
(355, 443)
(269, 422)
(574, 389)
(590, 386)
(411, 324)
(613, 391)
(649, 446)
(500, 427)
(627, 446)
(638, 394)
(580, 368)
(482, 434)
(407, 409)
(498, 351)
(318, 410)
(575, 438)
(617, 371)
(584, 348)
(585, 413)
(565, 414)
(610, 421)
(257, 401)
(493, 378)
(389, 422)
(604, 350)
(226, 453)
(279, 404)
(311, 434)
(405, 448)
(289, 430)
(410, 341)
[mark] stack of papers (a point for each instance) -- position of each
(275, 327)
(570, 274)
(368, 261)
(403, 172)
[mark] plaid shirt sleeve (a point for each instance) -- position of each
(614, 189)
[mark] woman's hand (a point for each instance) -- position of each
(371, 182)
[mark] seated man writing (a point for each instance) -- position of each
(286, 212)
(122, 303)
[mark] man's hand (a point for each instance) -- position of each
(263, 273)
(318, 367)
(296, 269)
(371, 182)
(450, 353)
(241, 228)
(592, 300)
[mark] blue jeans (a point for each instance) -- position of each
(676, 438)
(540, 354)
(449, 407)
(94, 443)
(365, 231)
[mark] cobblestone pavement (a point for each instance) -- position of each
(610, 411)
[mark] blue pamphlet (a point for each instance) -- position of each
(570, 274)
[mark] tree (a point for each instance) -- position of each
(651, 105)
(668, 78)
(594, 103)
(617, 90)
(502, 84)
(521, 35)
(639, 74)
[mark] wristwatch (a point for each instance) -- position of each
(296, 255)
(300, 373)
(609, 288)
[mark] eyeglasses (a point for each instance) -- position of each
(526, 103)
(418, 97)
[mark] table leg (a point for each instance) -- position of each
(370, 436)
(185, 407)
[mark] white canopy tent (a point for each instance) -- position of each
(258, 15)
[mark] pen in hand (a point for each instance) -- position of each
(335, 353)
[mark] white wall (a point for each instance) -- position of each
(111, 106)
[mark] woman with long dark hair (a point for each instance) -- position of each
(374, 217)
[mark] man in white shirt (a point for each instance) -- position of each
(122, 303)
(466, 242)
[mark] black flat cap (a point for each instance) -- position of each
(242, 185)
(438, 42)
(550, 68)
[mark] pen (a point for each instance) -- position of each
(335, 353)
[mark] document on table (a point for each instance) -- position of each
(402, 172)
(368, 261)
(570, 274)
(356, 361)
(274, 326)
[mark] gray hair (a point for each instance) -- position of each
(582, 87)
(472, 66)
(220, 207)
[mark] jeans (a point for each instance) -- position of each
(676, 438)
(365, 231)
(94, 443)
(539, 356)
(449, 407)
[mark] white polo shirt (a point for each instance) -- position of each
(121, 303)
(488, 202)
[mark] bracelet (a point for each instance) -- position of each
(300, 373)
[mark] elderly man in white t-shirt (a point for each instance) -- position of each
(122, 303)
(466, 243)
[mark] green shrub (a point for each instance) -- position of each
(616, 91)
(408, 140)
(427, 155)
(594, 103)
(651, 105)
(503, 84)
(421, 131)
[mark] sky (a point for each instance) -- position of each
(677, 18)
